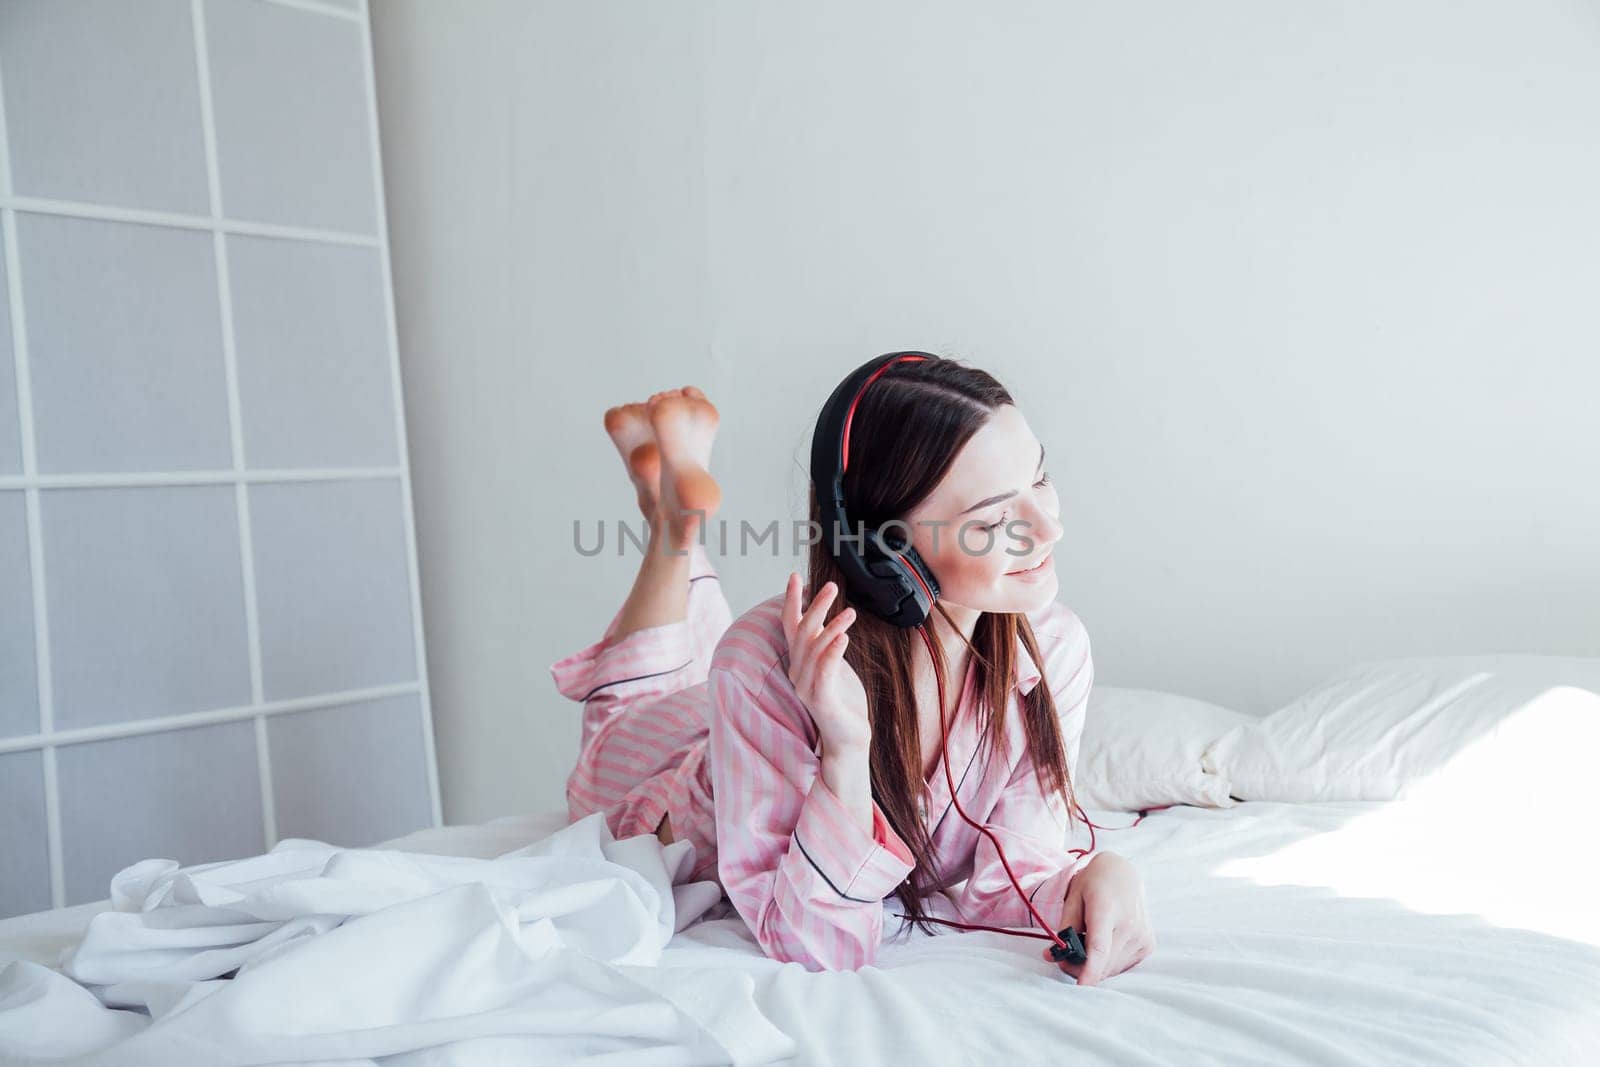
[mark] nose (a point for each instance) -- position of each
(1044, 527)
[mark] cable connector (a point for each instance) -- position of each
(1073, 952)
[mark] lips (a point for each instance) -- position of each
(1036, 567)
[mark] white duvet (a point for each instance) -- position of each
(311, 953)
(1332, 933)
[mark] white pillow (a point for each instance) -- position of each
(1142, 748)
(1382, 728)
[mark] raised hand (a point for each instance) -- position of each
(829, 687)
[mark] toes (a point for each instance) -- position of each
(667, 415)
(626, 419)
(687, 391)
(676, 413)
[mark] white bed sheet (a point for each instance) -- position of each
(1342, 933)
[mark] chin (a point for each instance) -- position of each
(1037, 596)
(1009, 596)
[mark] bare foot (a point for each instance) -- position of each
(685, 424)
(629, 427)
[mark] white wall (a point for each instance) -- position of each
(1301, 297)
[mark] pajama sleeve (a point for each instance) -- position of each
(1030, 826)
(805, 875)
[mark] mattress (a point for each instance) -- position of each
(1317, 933)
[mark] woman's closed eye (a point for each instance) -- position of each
(1040, 484)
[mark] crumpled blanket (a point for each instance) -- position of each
(312, 953)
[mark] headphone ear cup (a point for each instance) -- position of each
(912, 560)
(906, 586)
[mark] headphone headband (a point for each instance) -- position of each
(888, 579)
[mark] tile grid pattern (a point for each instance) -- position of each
(282, 720)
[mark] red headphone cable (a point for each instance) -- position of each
(949, 778)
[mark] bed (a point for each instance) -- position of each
(1420, 928)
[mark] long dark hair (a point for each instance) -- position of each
(907, 430)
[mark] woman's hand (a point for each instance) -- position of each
(829, 687)
(1105, 901)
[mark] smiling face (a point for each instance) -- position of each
(992, 517)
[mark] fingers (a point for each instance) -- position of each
(1140, 949)
(814, 644)
(1109, 952)
(819, 654)
(1071, 915)
(1100, 916)
(841, 622)
(1095, 920)
(1072, 908)
(791, 607)
(811, 621)
(798, 624)
(1098, 949)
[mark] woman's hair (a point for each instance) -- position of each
(908, 428)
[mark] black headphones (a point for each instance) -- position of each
(883, 572)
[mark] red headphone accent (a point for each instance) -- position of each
(849, 415)
(844, 464)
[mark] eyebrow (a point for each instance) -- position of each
(1002, 496)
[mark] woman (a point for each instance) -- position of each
(799, 748)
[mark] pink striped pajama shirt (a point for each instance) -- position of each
(698, 719)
